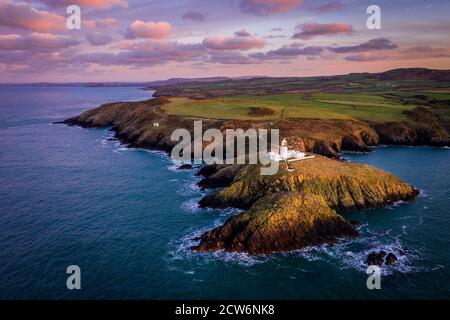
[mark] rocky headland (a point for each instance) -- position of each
(144, 124)
(292, 210)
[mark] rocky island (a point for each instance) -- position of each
(291, 210)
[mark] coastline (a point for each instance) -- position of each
(125, 120)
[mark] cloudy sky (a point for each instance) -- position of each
(142, 40)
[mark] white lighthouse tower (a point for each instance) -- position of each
(284, 149)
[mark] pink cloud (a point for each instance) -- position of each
(266, 7)
(364, 57)
(371, 45)
(149, 30)
(423, 52)
(231, 57)
(233, 43)
(94, 3)
(288, 52)
(148, 53)
(125, 45)
(36, 42)
(332, 6)
(100, 23)
(22, 15)
(310, 30)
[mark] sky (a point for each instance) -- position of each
(137, 40)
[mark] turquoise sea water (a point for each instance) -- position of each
(126, 217)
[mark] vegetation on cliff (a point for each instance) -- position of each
(280, 221)
(292, 210)
(345, 186)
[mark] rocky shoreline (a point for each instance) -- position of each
(289, 210)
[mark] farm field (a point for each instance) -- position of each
(376, 108)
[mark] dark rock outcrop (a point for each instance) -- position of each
(376, 258)
(221, 177)
(380, 258)
(185, 167)
(391, 259)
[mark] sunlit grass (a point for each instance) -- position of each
(375, 108)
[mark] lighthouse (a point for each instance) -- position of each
(284, 150)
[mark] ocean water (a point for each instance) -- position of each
(126, 217)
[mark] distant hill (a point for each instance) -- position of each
(414, 74)
(391, 75)
(173, 81)
(177, 81)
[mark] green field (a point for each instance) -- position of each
(369, 107)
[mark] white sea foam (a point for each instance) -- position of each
(191, 205)
(404, 227)
(189, 188)
(346, 254)
(181, 249)
(423, 193)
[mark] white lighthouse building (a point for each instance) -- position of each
(284, 154)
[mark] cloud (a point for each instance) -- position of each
(332, 6)
(22, 15)
(424, 52)
(98, 39)
(371, 45)
(279, 36)
(231, 57)
(421, 49)
(364, 57)
(242, 33)
(94, 3)
(125, 45)
(148, 53)
(286, 52)
(40, 62)
(37, 42)
(233, 43)
(149, 30)
(267, 7)
(194, 16)
(310, 30)
(100, 23)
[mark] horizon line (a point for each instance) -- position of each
(211, 77)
